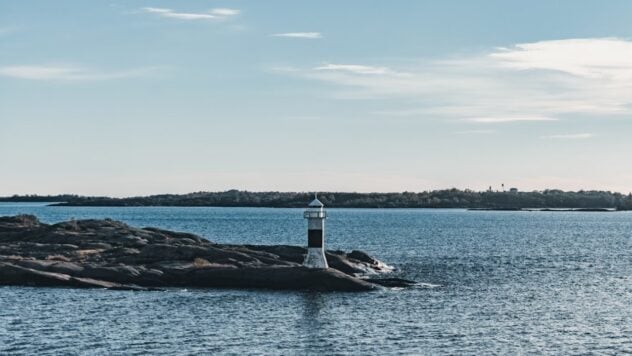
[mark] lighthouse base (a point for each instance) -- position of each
(315, 258)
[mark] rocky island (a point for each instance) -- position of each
(113, 255)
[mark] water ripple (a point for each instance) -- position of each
(490, 283)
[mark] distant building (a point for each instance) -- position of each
(513, 190)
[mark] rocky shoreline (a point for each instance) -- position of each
(110, 254)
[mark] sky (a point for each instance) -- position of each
(143, 97)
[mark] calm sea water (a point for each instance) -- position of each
(493, 283)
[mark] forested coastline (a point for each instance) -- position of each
(447, 198)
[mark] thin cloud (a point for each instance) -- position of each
(589, 58)
(401, 112)
(68, 73)
(579, 136)
(501, 119)
(475, 132)
(225, 12)
(558, 79)
(355, 69)
(213, 14)
(306, 35)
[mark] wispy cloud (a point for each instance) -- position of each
(68, 73)
(306, 35)
(579, 136)
(355, 69)
(589, 58)
(539, 81)
(475, 132)
(224, 12)
(500, 119)
(212, 14)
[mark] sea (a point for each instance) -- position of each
(489, 282)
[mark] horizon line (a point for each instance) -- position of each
(507, 190)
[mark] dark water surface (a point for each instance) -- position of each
(493, 282)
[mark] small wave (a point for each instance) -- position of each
(384, 267)
(427, 285)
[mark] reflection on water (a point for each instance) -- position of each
(310, 324)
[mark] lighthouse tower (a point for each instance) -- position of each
(315, 215)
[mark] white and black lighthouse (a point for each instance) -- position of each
(315, 215)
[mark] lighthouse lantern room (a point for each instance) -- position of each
(315, 215)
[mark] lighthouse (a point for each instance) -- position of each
(315, 215)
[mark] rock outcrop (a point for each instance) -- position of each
(110, 254)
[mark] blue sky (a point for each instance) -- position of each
(141, 97)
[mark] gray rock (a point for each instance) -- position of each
(52, 266)
(119, 274)
(110, 254)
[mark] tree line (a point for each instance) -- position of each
(446, 198)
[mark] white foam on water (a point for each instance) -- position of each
(427, 285)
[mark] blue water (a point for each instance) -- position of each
(493, 283)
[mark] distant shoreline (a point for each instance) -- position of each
(546, 200)
(63, 204)
(604, 210)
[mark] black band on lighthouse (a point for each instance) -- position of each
(314, 238)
